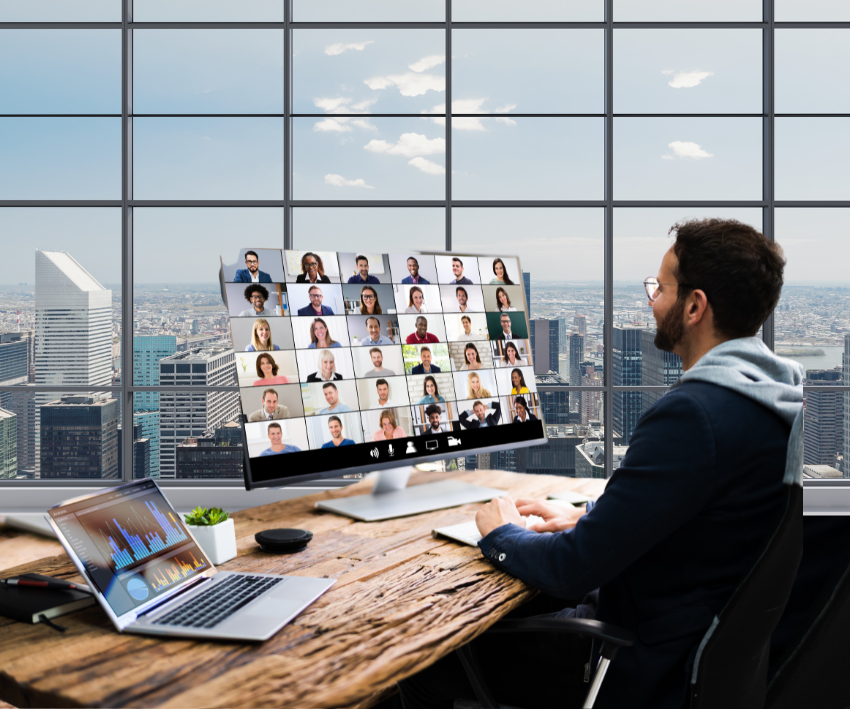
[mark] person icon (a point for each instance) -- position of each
(411, 449)
(251, 274)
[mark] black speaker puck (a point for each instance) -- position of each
(283, 541)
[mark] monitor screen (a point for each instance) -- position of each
(350, 362)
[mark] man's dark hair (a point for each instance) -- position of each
(372, 317)
(414, 259)
(424, 348)
(735, 265)
(458, 260)
(337, 419)
(329, 385)
(251, 253)
(381, 381)
(274, 425)
(250, 290)
(461, 288)
(433, 409)
(467, 318)
(360, 257)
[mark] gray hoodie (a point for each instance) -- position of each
(746, 365)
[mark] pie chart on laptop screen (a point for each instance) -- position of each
(137, 588)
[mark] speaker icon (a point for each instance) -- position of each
(374, 452)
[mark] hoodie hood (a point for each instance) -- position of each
(747, 366)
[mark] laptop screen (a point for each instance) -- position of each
(133, 544)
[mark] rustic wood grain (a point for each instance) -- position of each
(18, 547)
(402, 600)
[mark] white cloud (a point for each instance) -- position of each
(409, 84)
(427, 62)
(686, 151)
(363, 105)
(427, 166)
(333, 49)
(470, 105)
(332, 125)
(507, 108)
(340, 181)
(506, 121)
(686, 79)
(342, 104)
(363, 123)
(409, 145)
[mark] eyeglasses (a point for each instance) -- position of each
(251, 260)
(257, 297)
(315, 295)
(312, 264)
(651, 285)
(368, 297)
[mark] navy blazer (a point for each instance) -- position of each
(681, 522)
(243, 275)
(422, 281)
(420, 369)
(308, 310)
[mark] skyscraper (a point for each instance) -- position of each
(846, 370)
(8, 445)
(526, 280)
(188, 413)
(79, 438)
(823, 418)
(15, 351)
(580, 324)
(627, 372)
(658, 368)
(147, 351)
(545, 346)
(147, 423)
(576, 358)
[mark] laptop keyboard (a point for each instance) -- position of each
(211, 607)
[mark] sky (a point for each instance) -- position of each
(496, 153)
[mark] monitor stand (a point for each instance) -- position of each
(390, 497)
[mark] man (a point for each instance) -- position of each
(315, 308)
(275, 434)
(257, 297)
(467, 335)
(425, 366)
(270, 409)
(414, 277)
(421, 334)
(373, 327)
(462, 298)
(652, 542)
(252, 274)
(383, 388)
(378, 361)
(434, 412)
(335, 427)
(482, 418)
(457, 269)
(506, 333)
(332, 397)
(362, 275)
(522, 412)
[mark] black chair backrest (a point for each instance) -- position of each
(730, 669)
(815, 673)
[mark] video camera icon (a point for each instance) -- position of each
(453, 441)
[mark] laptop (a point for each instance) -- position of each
(150, 575)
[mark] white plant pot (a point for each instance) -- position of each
(218, 541)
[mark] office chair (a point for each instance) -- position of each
(612, 637)
(730, 669)
(814, 672)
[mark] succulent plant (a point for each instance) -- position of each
(207, 516)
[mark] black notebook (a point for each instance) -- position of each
(26, 604)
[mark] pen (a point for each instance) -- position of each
(47, 584)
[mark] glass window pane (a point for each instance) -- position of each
(687, 11)
(60, 158)
(208, 158)
(812, 11)
(60, 11)
(811, 158)
(379, 229)
(527, 158)
(371, 158)
(527, 11)
(208, 71)
(368, 71)
(208, 11)
(811, 319)
(687, 71)
(528, 71)
(561, 255)
(56, 259)
(60, 71)
(369, 10)
(687, 158)
(810, 71)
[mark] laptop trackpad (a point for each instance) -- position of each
(273, 608)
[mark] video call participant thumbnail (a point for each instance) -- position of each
(511, 326)
(471, 358)
(275, 434)
(370, 304)
(320, 336)
(335, 406)
(413, 269)
(457, 270)
(504, 301)
(315, 307)
(433, 413)
(511, 356)
(474, 388)
(267, 371)
(327, 368)
(500, 272)
(251, 273)
(416, 301)
(379, 369)
(362, 275)
(523, 413)
(337, 439)
(480, 416)
(425, 366)
(373, 327)
(257, 296)
(312, 269)
(421, 334)
(270, 410)
(430, 392)
(389, 427)
(518, 383)
(261, 337)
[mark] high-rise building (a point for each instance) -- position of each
(545, 346)
(13, 359)
(8, 445)
(823, 418)
(659, 368)
(141, 453)
(580, 324)
(526, 281)
(627, 372)
(73, 334)
(554, 395)
(79, 438)
(146, 427)
(147, 351)
(220, 455)
(591, 401)
(15, 354)
(576, 358)
(187, 413)
(846, 372)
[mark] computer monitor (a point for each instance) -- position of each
(359, 361)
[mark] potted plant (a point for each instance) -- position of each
(214, 531)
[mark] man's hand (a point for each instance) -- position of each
(556, 516)
(497, 512)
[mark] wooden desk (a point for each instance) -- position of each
(402, 600)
